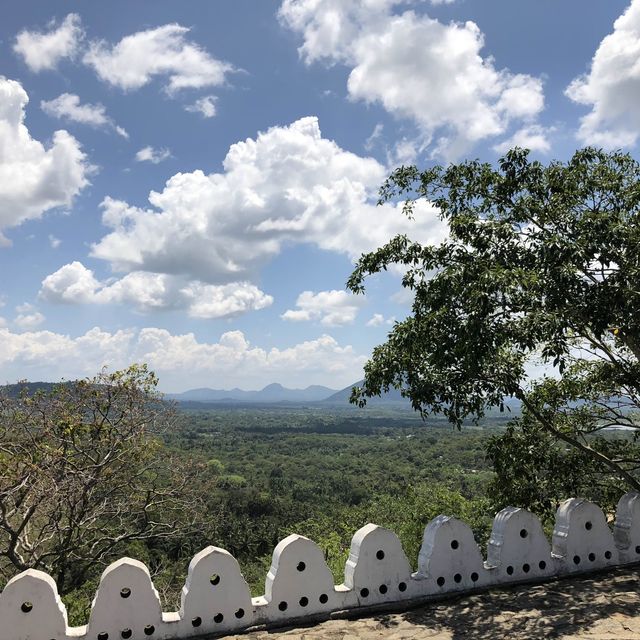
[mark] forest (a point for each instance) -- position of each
(542, 266)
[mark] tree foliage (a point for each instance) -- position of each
(82, 474)
(542, 263)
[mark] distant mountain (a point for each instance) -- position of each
(271, 393)
(394, 397)
(14, 390)
(342, 397)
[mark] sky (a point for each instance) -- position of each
(189, 184)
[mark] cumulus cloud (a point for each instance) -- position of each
(416, 68)
(44, 50)
(377, 320)
(68, 107)
(33, 179)
(289, 185)
(332, 308)
(534, 137)
(76, 284)
(164, 51)
(28, 317)
(149, 154)
(612, 86)
(205, 106)
(231, 361)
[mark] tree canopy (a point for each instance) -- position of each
(542, 265)
(81, 475)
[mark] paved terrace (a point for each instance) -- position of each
(605, 606)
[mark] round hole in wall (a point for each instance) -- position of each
(526, 568)
(126, 633)
(304, 601)
(455, 544)
(383, 589)
(576, 559)
(364, 593)
(523, 533)
(197, 621)
(588, 525)
(510, 570)
(607, 555)
(402, 586)
(440, 581)
(26, 607)
(592, 557)
(283, 606)
(474, 577)
(457, 578)
(380, 554)
(218, 618)
(542, 564)
(324, 598)
(301, 566)
(215, 579)
(103, 635)
(149, 629)
(239, 613)
(125, 593)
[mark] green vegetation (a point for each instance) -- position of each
(542, 263)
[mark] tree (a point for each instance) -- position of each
(83, 473)
(542, 263)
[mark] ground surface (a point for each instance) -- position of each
(604, 606)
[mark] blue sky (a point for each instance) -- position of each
(188, 184)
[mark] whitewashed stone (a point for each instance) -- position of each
(215, 594)
(450, 559)
(626, 531)
(582, 540)
(126, 605)
(518, 548)
(31, 609)
(299, 582)
(377, 569)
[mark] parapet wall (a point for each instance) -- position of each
(216, 598)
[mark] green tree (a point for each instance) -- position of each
(541, 263)
(83, 474)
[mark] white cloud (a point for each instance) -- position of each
(403, 297)
(149, 154)
(67, 106)
(534, 137)
(416, 68)
(612, 86)
(180, 360)
(377, 320)
(72, 283)
(289, 185)
(54, 242)
(332, 308)
(376, 134)
(205, 106)
(217, 301)
(164, 51)
(25, 307)
(33, 179)
(75, 284)
(42, 51)
(28, 317)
